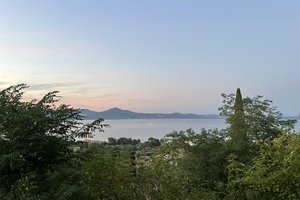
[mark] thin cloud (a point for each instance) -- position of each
(139, 100)
(3, 83)
(47, 86)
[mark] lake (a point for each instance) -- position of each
(144, 128)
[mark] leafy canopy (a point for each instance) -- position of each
(262, 120)
(35, 136)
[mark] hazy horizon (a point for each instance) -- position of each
(137, 111)
(172, 112)
(152, 56)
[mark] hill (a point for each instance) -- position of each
(117, 113)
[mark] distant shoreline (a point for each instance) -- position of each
(155, 118)
(120, 114)
(117, 113)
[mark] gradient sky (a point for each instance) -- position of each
(153, 56)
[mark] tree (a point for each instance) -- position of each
(151, 143)
(35, 138)
(112, 141)
(238, 103)
(110, 174)
(201, 158)
(274, 174)
(237, 121)
(261, 118)
(238, 127)
(162, 178)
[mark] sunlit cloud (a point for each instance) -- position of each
(48, 86)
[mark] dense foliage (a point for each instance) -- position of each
(274, 174)
(35, 141)
(255, 157)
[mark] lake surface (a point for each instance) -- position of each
(144, 128)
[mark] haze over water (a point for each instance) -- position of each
(144, 128)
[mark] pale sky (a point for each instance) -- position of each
(153, 56)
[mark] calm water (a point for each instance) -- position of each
(144, 128)
(157, 128)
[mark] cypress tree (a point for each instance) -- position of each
(238, 130)
(238, 104)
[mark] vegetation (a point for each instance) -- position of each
(255, 157)
(35, 140)
(274, 173)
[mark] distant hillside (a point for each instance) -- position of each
(117, 113)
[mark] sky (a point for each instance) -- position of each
(152, 56)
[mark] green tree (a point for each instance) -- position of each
(162, 178)
(238, 128)
(35, 139)
(201, 158)
(110, 174)
(151, 142)
(262, 120)
(274, 174)
(112, 141)
(237, 122)
(238, 103)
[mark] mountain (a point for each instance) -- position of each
(117, 113)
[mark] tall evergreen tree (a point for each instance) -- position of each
(238, 130)
(238, 104)
(261, 119)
